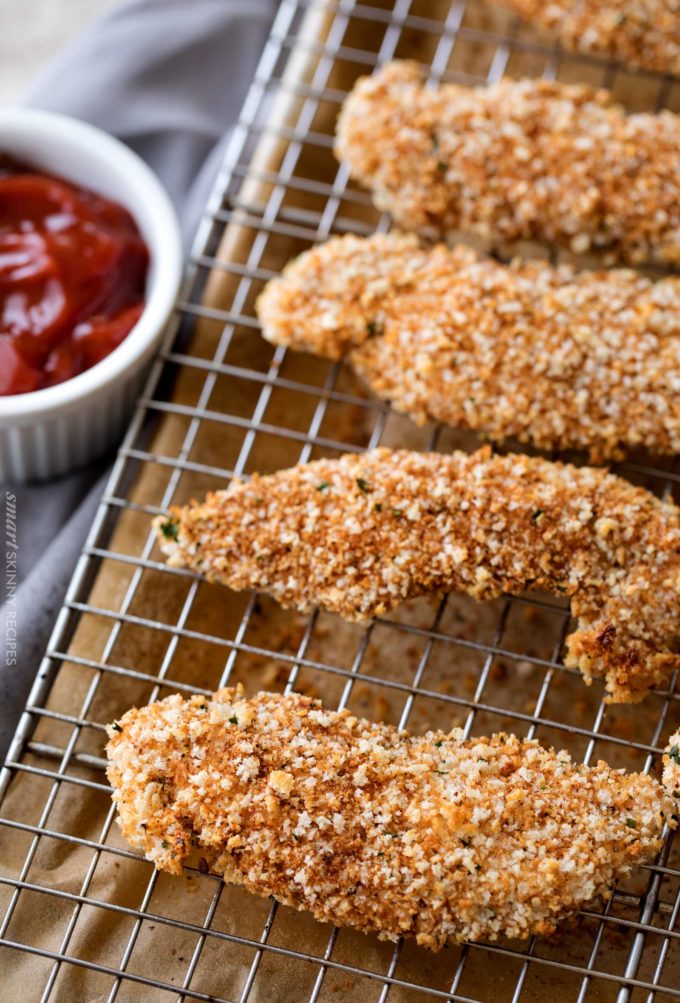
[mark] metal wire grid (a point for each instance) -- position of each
(656, 918)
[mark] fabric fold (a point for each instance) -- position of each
(168, 77)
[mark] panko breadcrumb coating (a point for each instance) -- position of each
(523, 159)
(360, 534)
(435, 837)
(641, 33)
(545, 355)
(671, 771)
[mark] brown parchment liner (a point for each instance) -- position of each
(164, 952)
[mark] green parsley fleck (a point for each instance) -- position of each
(165, 844)
(537, 515)
(441, 167)
(363, 485)
(170, 529)
(397, 513)
(631, 823)
(442, 773)
(373, 328)
(116, 726)
(439, 744)
(674, 754)
(322, 486)
(233, 720)
(377, 507)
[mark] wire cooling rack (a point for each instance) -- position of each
(84, 917)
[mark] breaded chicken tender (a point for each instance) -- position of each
(640, 33)
(560, 359)
(360, 534)
(516, 160)
(435, 837)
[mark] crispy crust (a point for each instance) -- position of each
(671, 772)
(360, 534)
(519, 159)
(642, 33)
(433, 837)
(545, 355)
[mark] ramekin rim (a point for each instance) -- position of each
(162, 293)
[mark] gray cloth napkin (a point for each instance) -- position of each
(168, 77)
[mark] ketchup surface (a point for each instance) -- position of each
(72, 275)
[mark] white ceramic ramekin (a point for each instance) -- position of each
(50, 431)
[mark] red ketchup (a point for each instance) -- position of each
(72, 275)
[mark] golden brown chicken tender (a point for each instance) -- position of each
(435, 837)
(641, 33)
(517, 160)
(560, 359)
(360, 534)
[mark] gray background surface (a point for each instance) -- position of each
(168, 77)
(32, 31)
